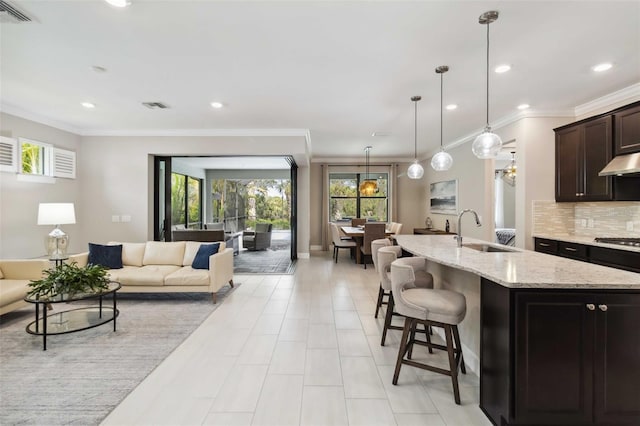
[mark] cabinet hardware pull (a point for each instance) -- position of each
(603, 308)
(591, 306)
(570, 249)
(544, 244)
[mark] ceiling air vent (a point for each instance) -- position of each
(9, 14)
(155, 105)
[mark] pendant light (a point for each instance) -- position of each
(442, 161)
(368, 186)
(415, 170)
(487, 144)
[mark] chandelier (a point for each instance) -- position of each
(368, 186)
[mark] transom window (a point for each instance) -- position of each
(345, 201)
(35, 158)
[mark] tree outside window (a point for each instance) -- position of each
(345, 201)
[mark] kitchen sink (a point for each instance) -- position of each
(488, 248)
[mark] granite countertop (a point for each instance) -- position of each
(589, 241)
(518, 268)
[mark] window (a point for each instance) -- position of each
(186, 201)
(35, 158)
(345, 201)
(45, 161)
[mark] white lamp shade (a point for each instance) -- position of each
(56, 214)
(415, 171)
(486, 145)
(441, 161)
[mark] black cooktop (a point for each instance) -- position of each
(634, 242)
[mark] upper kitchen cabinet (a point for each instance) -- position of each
(585, 147)
(627, 133)
(582, 150)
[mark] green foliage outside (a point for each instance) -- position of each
(32, 159)
(344, 195)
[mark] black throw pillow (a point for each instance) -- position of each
(107, 256)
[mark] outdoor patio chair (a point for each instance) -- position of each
(260, 239)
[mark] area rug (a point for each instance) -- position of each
(82, 376)
(274, 260)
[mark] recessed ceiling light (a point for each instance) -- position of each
(451, 107)
(88, 105)
(602, 67)
(217, 105)
(379, 134)
(119, 3)
(523, 106)
(502, 68)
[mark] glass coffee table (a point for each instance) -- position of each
(72, 320)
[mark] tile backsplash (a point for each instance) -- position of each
(601, 219)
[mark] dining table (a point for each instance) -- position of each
(357, 233)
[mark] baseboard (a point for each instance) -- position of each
(316, 248)
(303, 256)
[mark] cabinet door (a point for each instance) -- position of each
(627, 138)
(554, 358)
(617, 360)
(569, 164)
(597, 154)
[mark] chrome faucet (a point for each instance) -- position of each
(459, 230)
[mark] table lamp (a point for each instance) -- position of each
(56, 214)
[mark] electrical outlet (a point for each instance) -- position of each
(590, 223)
(630, 225)
(583, 223)
(115, 218)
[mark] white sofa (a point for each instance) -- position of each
(160, 267)
(15, 276)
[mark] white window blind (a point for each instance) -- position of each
(64, 163)
(8, 154)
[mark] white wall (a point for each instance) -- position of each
(20, 236)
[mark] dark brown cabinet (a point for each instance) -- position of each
(627, 131)
(558, 357)
(581, 152)
(620, 259)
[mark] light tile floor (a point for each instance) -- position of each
(299, 349)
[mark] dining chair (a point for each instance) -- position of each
(372, 231)
(338, 242)
(358, 222)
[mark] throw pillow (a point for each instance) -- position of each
(107, 256)
(201, 261)
(1, 275)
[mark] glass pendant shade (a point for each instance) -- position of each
(442, 161)
(415, 171)
(486, 145)
(368, 187)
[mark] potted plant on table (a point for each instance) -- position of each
(70, 279)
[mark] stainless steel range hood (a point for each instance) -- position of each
(622, 165)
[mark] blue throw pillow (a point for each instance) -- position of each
(201, 261)
(107, 256)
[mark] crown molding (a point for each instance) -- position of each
(47, 121)
(202, 132)
(627, 95)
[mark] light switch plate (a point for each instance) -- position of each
(115, 218)
(126, 218)
(590, 223)
(630, 225)
(583, 223)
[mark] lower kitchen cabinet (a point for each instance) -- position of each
(620, 259)
(557, 357)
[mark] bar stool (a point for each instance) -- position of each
(422, 279)
(433, 307)
(375, 246)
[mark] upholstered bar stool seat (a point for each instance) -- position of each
(431, 307)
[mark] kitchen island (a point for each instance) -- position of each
(556, 338)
